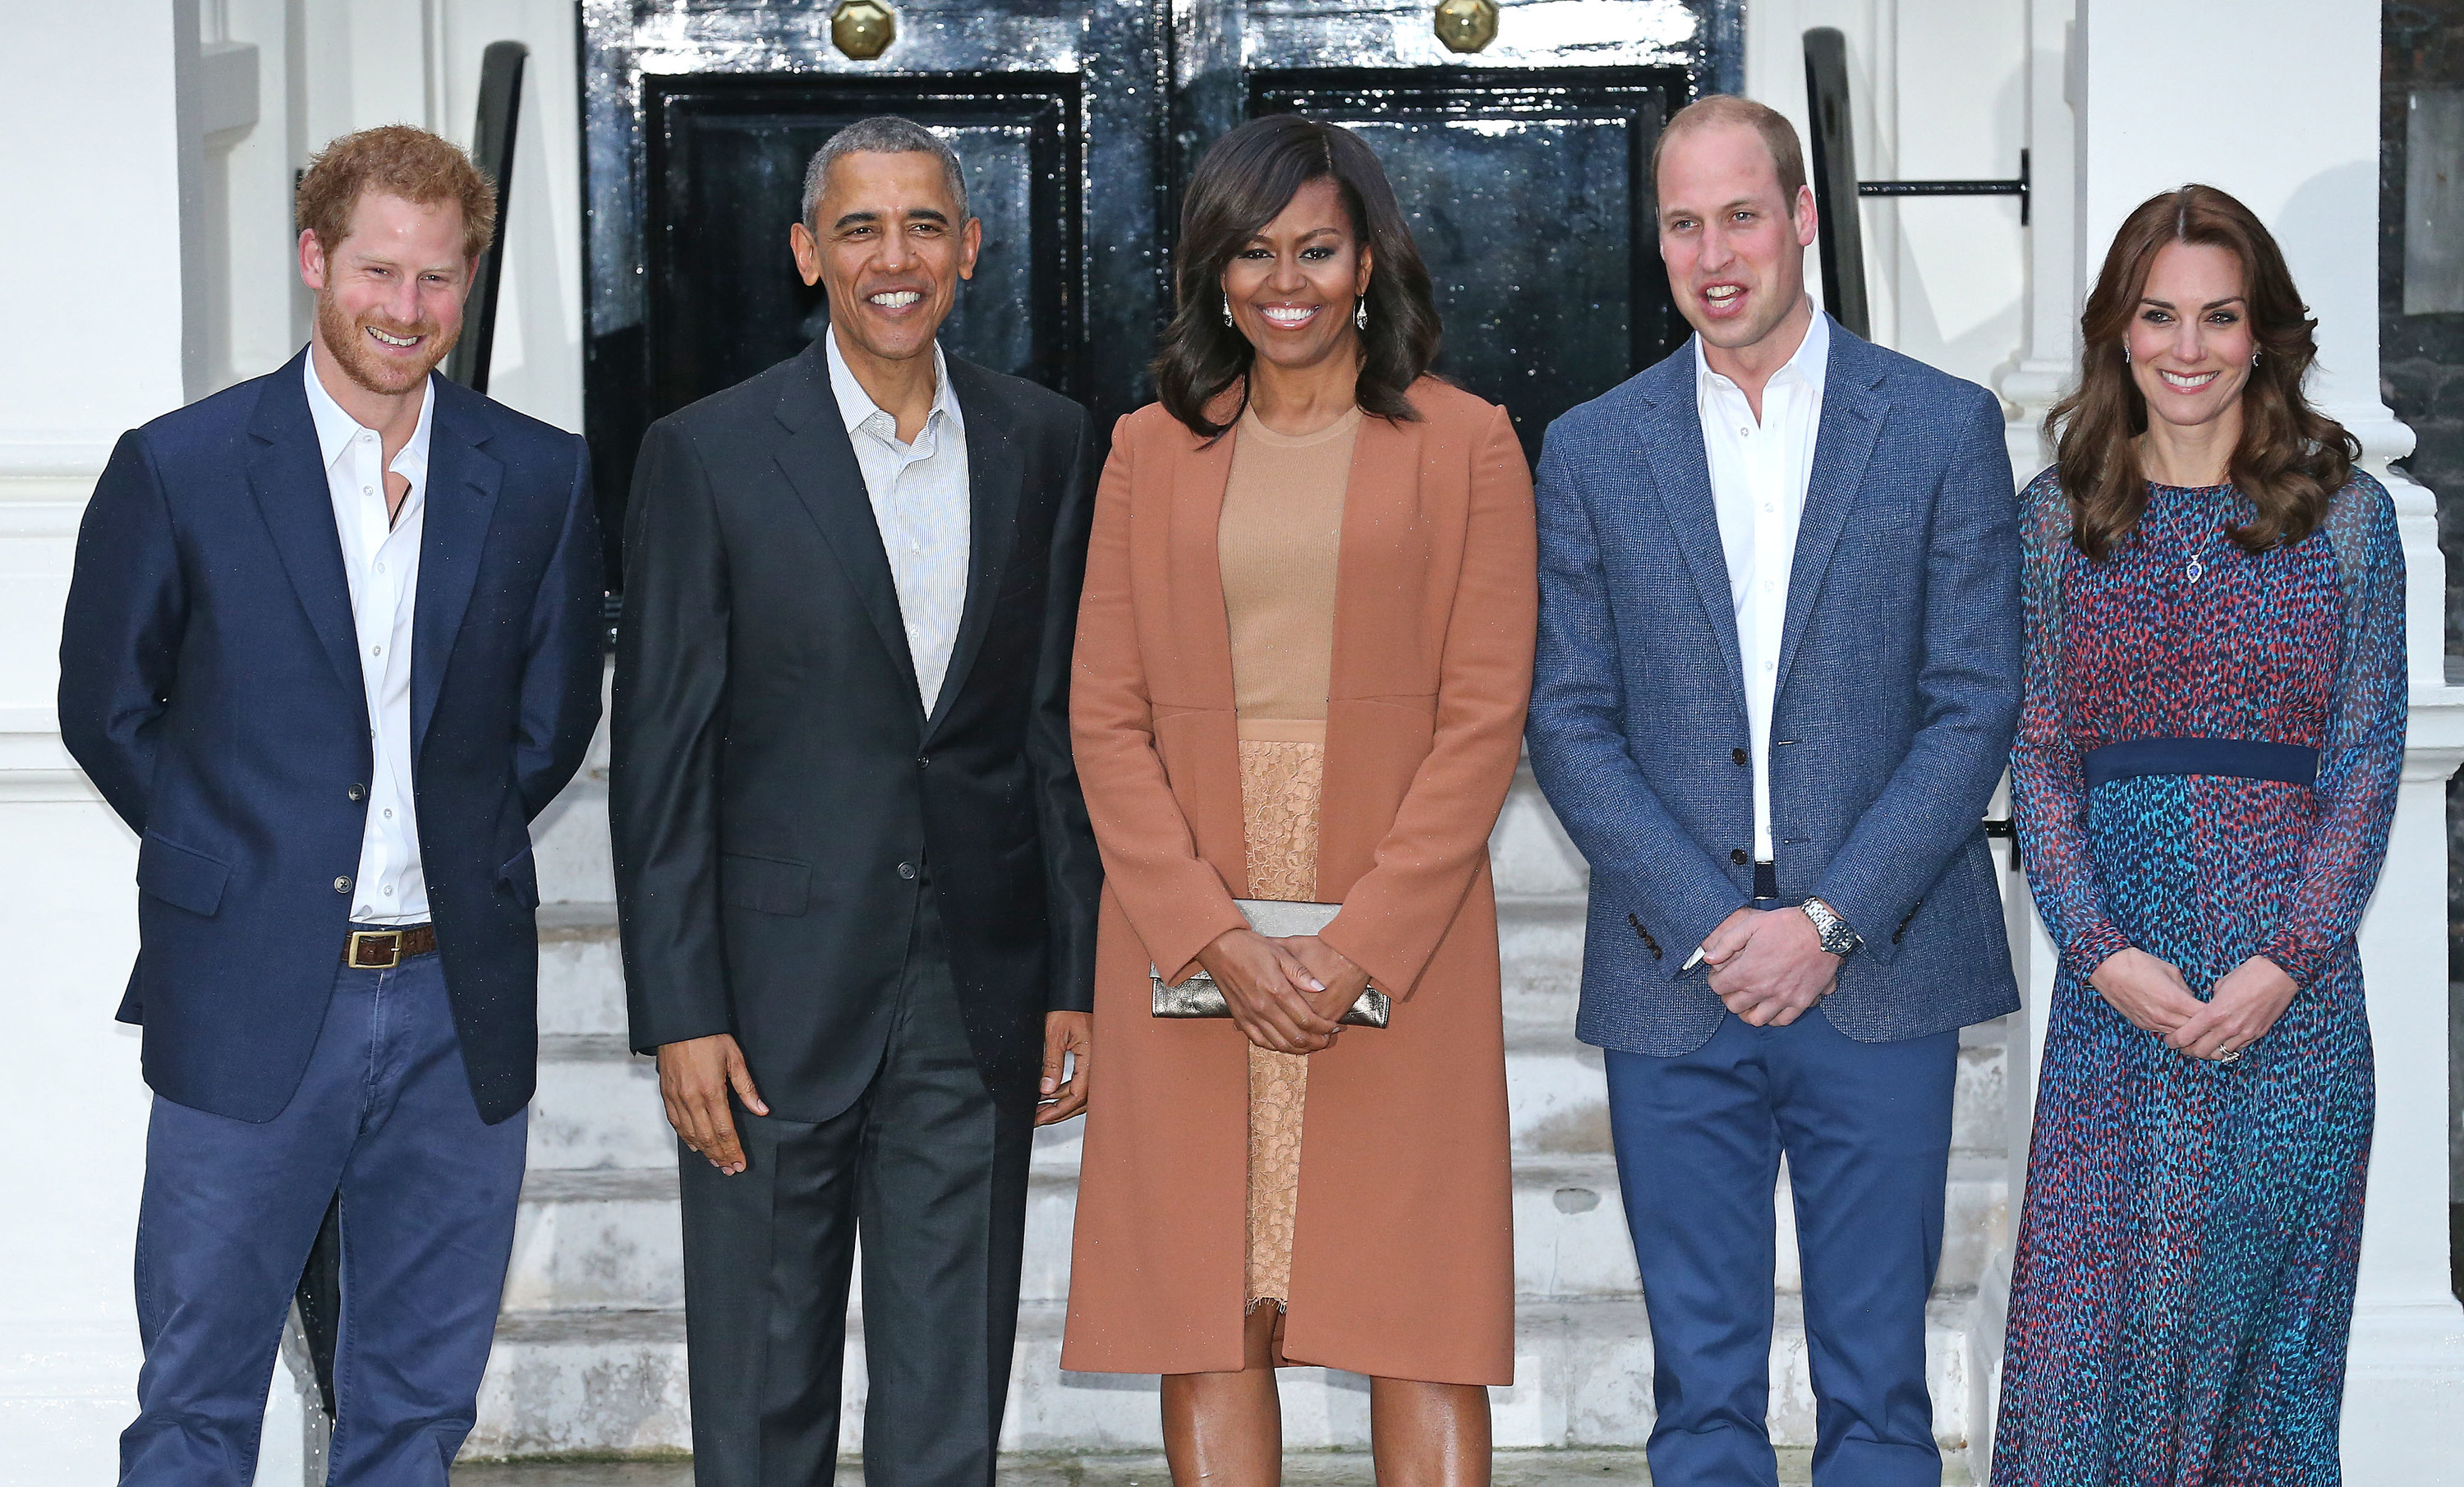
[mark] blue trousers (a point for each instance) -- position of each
(1866, 1130)
(385, 1116)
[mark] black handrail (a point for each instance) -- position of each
(492, 146)
(1836, 186)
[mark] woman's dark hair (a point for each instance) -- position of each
(2292, 459)
(1244, 182)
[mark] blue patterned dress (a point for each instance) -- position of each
(2183, 1282)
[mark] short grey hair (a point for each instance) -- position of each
(885, 135)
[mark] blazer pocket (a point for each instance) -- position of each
(180, 876)
(765, 885)
(521, 875)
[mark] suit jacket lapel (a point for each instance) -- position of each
(462, 486)
(1852, 419)
(1670, 440)
(820, 465)
(993, 475)
(288, 477)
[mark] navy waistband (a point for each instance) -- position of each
(2250, 759)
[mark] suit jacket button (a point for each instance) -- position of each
(1740, 758)
(357, 792)
(907, 870)
(342, 886)
(1737, 856)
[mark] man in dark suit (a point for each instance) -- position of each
(857, 879)
(331, 644)
(1776, 680)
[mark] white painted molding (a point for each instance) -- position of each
(34, 765)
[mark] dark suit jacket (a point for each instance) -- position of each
(210, 685)
(1897, 696)
(779, 796)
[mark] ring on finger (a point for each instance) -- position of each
(2227, 1053)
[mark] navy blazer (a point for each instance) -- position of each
(1897, 694)
(211, 686)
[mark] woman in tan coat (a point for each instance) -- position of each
(1303, 660)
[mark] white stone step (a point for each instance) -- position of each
(615, 1381)
(609, 1239)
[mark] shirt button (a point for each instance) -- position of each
(379, 568)
(389, 890)
(376, 650)
(1737, 856)
(367, 437)
(342, 886)
(367, 490)
(907, 870)
(357, 792)
(388, 813)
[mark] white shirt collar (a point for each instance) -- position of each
(856, 405)
(336, 427)
(1809, 364)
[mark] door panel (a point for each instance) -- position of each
(1527, 197)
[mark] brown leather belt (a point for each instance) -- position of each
(384, 950)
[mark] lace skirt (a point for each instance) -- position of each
(1283, 768)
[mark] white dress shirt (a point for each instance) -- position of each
(380, 559)
(919, 498)
(1759, 469)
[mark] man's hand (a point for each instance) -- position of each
(694, 1077)
(1342, 981)
(1267, 989)
(2238, 1013)
(1768, 966)
(1071, 1033)
(2149, 992)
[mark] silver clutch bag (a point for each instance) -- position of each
(1276, 919)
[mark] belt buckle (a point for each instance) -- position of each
(388, 940)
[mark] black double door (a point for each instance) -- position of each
(1523, 167)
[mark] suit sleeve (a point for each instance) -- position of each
(1394, 915)
(670, 704)
(1175, 900)
(1638, 850)
(560, 703)
(1073, 874)
(120, 632)
(1968, 696)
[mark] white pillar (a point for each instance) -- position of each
(96, 346)
(2296, 83)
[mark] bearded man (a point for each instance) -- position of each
(331, 644)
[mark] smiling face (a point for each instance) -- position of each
(390, 294)
(887, 243)
(1734, 243)
(1293, 284)
(2189, 338)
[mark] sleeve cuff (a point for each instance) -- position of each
(2095, 945)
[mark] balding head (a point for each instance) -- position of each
(1721, 109)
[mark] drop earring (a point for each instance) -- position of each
(1227, 309)
(1361, 313)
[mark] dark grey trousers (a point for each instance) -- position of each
(932, 1176)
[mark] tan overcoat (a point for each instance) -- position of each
(1403, 1254)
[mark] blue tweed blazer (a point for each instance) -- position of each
(1898, 692)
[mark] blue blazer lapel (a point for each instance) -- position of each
(820, 465)
(462, 485)
(1669, 439)
(288, 477)
(992, 522)
(1853, 413)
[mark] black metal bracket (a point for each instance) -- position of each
(492, 146)
(2017, 186)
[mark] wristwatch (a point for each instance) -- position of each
(1833, 931)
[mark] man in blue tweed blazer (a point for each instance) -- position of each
(1778, 676)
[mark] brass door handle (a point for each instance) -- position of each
(1467, 25)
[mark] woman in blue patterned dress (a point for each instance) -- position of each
(2207, 759)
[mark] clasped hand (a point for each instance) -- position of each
(2151, 994)
(1283, 994)
(1768, 966)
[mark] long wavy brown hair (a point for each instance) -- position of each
(1244, 182)
(2292, 459)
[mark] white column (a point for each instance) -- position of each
(2288, 93)
(96, 346)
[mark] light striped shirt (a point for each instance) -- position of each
(920, 501)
